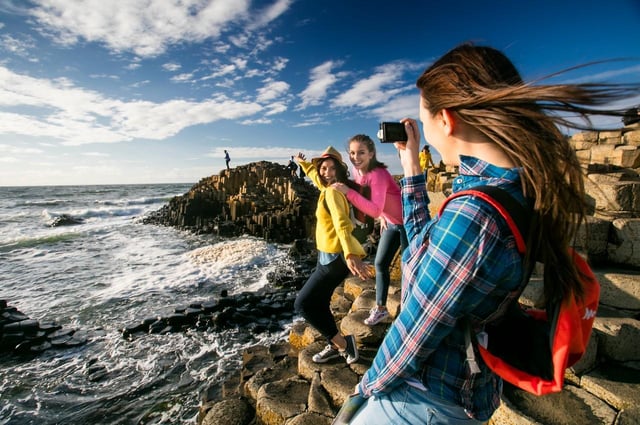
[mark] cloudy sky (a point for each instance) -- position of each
(153, 91)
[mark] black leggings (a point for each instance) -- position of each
(314, 299)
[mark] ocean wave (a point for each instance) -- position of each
(31, 242)
(94, 213)
(246, 252)
(43, 202)
(244, 263)
(139, 201)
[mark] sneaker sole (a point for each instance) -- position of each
(374, 323)
(326, 359)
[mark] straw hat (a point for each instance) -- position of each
(330, 152)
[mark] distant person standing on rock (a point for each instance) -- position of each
(462, 268)
(426, 160)
(227, 158)
(339, 254)
(292, 167)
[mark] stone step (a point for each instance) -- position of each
(602, 388)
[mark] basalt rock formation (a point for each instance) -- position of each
(21, 335)
(259, 199)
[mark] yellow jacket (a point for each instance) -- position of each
(333, 230)
(425, 160)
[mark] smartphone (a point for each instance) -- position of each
(391, 132)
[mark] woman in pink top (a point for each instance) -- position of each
(385, 204)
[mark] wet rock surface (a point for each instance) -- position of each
(21, 335)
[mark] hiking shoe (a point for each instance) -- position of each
(327, 354)
(376, 316)
(351, 352)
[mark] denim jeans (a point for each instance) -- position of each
(391, 239)
(407, 405)
(314, 299)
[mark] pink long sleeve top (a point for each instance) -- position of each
(385, 199)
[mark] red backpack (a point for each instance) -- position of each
(531, 348)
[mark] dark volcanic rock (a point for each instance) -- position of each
(21, 335)
(260, 199)
(65, 220)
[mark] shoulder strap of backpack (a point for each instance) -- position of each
(511, 210)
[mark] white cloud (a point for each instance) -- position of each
(227, 83)
(321, 80)
(258, 121)
(222, 70)
(633, 71)
(133, 66)
(406, 106)
(376, 89)
(14, 150)
(182, 78)
(18, 47)
(171, 66)
(272, 90)
(270, 13)
(221, 48)
(77, 116)
(140, 83)
(276, 108)
(239, 40)
(95, 154)
(147, 28)
(308, 122)
(240, 63)
(280, 63)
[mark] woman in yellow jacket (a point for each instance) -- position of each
(339, 253)
(426, 160)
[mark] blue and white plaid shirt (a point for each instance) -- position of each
(461, 265)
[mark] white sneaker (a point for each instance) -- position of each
(329, 352)
(376, 316)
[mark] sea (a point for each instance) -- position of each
(106, 272)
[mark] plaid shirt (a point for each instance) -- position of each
(461, 265)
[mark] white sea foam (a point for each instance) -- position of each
(95, 213)
(245, 260)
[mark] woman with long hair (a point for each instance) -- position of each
(385, 204)
(462, 266)
(339, 253)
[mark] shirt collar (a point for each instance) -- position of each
(474, 172)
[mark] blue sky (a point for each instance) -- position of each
(153, 91)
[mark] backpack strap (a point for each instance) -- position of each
(518, 221)
(511, 210)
